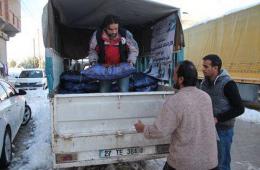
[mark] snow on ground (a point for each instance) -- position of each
(38, 155)
(251, 116)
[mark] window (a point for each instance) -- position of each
(31, 74)
(3, 94)
(9, 89)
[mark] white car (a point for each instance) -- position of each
(12, 114)
(31, 79)
(13, 74)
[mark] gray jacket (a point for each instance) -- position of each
(219, 100)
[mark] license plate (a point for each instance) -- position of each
(107, 153)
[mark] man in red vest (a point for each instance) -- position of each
(110, 46)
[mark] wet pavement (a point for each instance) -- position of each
(246, 147)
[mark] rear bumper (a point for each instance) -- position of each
(92, 162)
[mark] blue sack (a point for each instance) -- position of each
(61, 91)
(72, 76)
(152, 87)
(140, 79)
(89, 87)
(99, 72)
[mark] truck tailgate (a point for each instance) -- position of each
(89, 126)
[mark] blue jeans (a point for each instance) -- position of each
(106, 85)
(224, 147)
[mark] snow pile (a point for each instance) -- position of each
(251, 116)
(39, 154)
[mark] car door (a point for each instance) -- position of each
(16, 107)
(4, 110)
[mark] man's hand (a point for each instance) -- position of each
(131, 63)
(106, 65)
(139, 126)
(93, 63)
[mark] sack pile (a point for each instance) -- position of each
(99, 72)
(87, 81)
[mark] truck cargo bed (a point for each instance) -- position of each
(98, 128)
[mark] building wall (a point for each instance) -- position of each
(2, 9)
(3, 58)
(10, 16)
(14, 8)
(10, 24)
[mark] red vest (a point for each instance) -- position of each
(111, 51)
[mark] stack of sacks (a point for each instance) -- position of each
(86, 80)
(74, 82)
(99, 72)
(141, 82)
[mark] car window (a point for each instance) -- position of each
(3, 94)
(31, 74)
(9, 89)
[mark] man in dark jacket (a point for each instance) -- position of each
(227, 104)
(111, 45)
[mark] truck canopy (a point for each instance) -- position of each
(68, 25)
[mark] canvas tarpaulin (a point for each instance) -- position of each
(90, 13)
(70, 24)
(235, 38)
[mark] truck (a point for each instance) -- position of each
(98, 128)
(235, 38)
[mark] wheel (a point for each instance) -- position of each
(6, 155)
(27, 115)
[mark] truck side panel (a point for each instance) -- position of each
(53, 68)
(234, 37)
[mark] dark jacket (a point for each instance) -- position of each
(226, 101)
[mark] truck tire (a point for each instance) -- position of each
(6, 155)
(27, 115)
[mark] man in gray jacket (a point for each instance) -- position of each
(188, 117)
(227, 104)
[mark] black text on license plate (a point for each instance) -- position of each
(106, 153)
